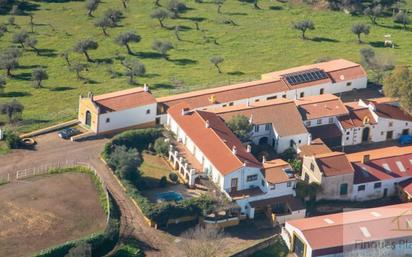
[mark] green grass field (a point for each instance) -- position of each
(262, 41)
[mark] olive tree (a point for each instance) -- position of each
(373, 12)
(104, 23)
(78, 68)
(91, 6)
(134, 69)
(38, 75)
(20, 37)
(12, 110)
(216, 61)
(126, 38)
(160, 14)
(359, 29)
(114, 16)
(9, 59)
(402, 18)
(399, 84)
(303, 26)
(163, 47)
(219, 4)
(83, 47)
(32, 43)
(176, 7)
(203, 241)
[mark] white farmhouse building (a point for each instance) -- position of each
(378, 172)
(131, 108)
(375, 120)
(275, 122)
(208, 148)
(330, 77)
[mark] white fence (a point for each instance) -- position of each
(44, 169)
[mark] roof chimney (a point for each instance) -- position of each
(251, 119)
(207, 124)
(263, 159)
(249, 148)
(248, 102)
(234, 150)
(185, 111)
(145, 88)
(366, 158)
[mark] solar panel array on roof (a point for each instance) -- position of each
(305, 76)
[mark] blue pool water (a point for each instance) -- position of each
(169, 196)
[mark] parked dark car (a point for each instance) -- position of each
(68, 133)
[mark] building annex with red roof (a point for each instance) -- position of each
(212, 150)
(382, 231)
(130, 108)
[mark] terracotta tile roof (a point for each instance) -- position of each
(389, 111)
(390, 167)
(125, 99)
(381, 100)
(325, 131)
(269, 84)
(356, 116)
(274, 171)
(294, 203)
(245, 193)
(315, 107)
(216, 141)
(316, 147)
(333, 164)
(281, 113)
(349, 228)
(226, 94)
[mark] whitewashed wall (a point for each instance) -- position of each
(127, 118)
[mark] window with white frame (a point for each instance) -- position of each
(256, 128)
(319, 121)
(251, 178)
(267, 127)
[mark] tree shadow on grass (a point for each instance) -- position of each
(324, 39)
(150, 75)
(194, 19)
(15, 94)
(103, 60)
(161, 86)
(236, 73)
(47, 52)
(184, 61)
(33, 121)
(236, 13)
(22, 76)
(148, 55)
(60, 89)
(32, 66)
(276, 8)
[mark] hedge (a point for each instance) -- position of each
(137, 138)
(160, 213)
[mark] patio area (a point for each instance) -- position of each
(186, 165)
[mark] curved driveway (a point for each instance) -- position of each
(51, 149)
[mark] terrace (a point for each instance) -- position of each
(186, 165)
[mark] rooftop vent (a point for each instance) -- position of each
(400, 166)
(386, 167)
(207, 124)
(249, 148)
(234, 150)
(366, 158)
(146, 88)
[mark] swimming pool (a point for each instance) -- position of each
(169, 196)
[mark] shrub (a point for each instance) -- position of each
(138, 139)
(12, 139)
(124, 161)
(161, 146)
(173, 177)
(163, 181)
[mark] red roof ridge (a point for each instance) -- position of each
(251, 106)
(219, 138)
(326, 155)
(316, 99)
(118, 93)
(215, 90)
(380, 153)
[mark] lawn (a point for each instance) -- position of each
(153, 168)
(261, 41)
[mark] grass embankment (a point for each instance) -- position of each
(260, 41)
